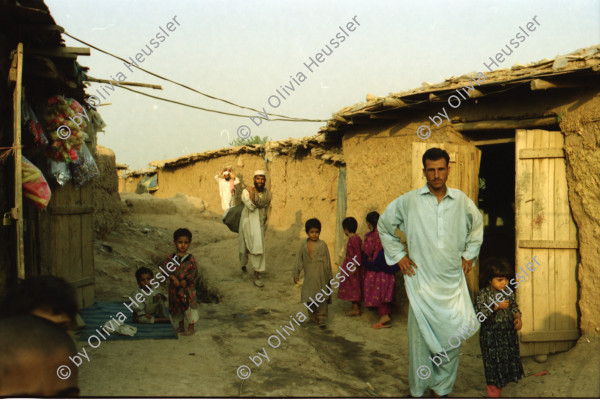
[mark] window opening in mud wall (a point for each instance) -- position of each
(497, 202)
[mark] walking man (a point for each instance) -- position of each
(444, 232)
(252, 226)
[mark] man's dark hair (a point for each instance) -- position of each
(350, 224)
(496, 267)
(435, 154)
(182, 232)
(312, 223)
(141, 271)
(40, 292)
(373, 218)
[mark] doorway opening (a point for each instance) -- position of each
(497, 202)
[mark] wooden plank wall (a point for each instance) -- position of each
(544, 227)
(66, 239)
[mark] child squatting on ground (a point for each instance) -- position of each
(313, 258)
(498, 335)
(183, 306)
(150, 310)
(352, 288)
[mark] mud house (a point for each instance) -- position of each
(524, 145)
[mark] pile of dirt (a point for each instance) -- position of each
(106, 201)
(148, 204)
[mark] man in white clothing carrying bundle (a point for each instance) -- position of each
(252, 226)
(444, 232)
(227, 185)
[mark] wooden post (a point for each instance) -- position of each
(16, 75)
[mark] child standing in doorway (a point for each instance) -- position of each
(498, 335)
(351, 289)
(182, 290)
(313, 258)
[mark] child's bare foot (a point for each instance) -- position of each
(190, 331)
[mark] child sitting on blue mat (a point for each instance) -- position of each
(152, 309)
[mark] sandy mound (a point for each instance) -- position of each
(148, 204)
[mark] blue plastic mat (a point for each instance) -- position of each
(96, 315)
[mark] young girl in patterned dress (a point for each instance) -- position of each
(498, 335)
(380, 278)
(351, 289)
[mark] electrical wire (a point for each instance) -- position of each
(215, 111)
(192, 89)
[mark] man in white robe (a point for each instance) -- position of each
(252, 226)
(444, 231)
(227, 185)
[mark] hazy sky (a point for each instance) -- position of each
(243, 51)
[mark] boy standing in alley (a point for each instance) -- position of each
(182, 283)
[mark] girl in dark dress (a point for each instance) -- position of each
(498, 335)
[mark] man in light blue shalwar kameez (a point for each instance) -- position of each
(444, 232)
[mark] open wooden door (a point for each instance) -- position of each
(464, 175)
(545, 229)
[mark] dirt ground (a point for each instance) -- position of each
(346, 359)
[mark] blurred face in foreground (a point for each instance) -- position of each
(436, 172)
(62, 320)
(35, 375)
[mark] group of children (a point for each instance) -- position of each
(373, 282)
(370, 280)
(183, 306)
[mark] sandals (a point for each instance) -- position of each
(379, 325)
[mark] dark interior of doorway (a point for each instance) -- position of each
(497, 200)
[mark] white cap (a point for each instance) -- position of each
(259, 172)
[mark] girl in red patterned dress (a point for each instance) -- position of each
(380, 279)
(351, 288)
(182, 283)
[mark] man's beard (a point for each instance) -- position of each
(259, 186)
(227, 177)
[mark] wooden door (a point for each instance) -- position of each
(545, 229)
(464, 175)
(67, 239)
